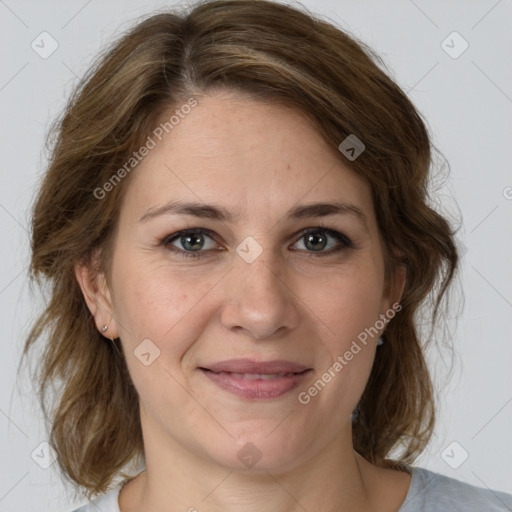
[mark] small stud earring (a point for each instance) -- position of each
(104, 328)
(380, 341)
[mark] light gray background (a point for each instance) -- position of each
(468, 104)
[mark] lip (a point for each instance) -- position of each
(229, 375)
(252, 366)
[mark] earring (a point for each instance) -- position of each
(104, 328)
(380, 341)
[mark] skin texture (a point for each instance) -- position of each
(257, 161)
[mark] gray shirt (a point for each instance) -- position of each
(432, 492)
(428, 492)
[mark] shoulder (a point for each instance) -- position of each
(106, 503)
(433, 492)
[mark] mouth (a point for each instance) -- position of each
(256, 380)
(256, 376)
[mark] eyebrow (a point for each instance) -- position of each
(219, 213)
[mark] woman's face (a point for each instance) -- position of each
(248, 284)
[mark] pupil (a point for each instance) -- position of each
(196, 238)
(313, 238)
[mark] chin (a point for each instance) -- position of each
(260, 452)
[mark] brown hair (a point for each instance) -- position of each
(273, 53)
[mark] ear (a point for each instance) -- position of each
(395, 287)
(97, 297)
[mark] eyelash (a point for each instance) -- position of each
(345, 242)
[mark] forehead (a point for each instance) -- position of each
(247, 156)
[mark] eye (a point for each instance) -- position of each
(317, 239)
(190, 243)
(190, 240)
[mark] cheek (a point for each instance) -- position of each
(345, 302)
(166, 312)
(150, 300)
(163, 306)
(347, 308)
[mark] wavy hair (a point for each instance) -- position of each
(273, 53)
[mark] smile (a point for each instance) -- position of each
(256, 386)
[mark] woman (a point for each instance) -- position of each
(235, 227)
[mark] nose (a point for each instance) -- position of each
(259, 300)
